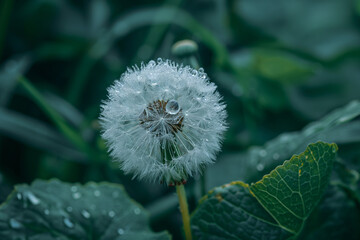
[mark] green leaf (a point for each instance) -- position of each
(323, 91)
(65, 109)
(37, 134)
(336, 218)
(71, 134)
(9, 73)
(281, 67)
(56, 210)
(275, 207)
(335, 127)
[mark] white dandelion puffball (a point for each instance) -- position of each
(163, 122)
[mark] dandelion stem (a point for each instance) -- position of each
(180, 190)
(194, 62)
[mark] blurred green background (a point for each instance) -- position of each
(279, 65)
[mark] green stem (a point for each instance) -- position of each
(180, 190)
(194, 62)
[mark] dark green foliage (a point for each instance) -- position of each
(289, 72)
(275, 207)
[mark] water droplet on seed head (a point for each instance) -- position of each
(172, 107)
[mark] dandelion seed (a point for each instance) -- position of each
(156, 118)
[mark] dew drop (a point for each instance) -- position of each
(19, 196)
(97, 193)
(46, 212)
(111, 214)
(262, 153)
(74, 188)
(69, 209)
(15, 224)
(32, 198)
(152, 63)
(120, 231)
(276, 156)
(172, 107)
(85, 214)
(203, 76)
(137, 211)
(68, 223)
(260, 167)
(76, 195)
(194, 72)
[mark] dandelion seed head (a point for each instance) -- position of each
(163, 122)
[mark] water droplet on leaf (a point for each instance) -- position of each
(120, 231)
(69, 209)
(46, 212)
(85, 214)
(32, 198)
(19, 196)
(68, 223)
(137, 211)
(260, 167)
(111, 214)
(97, 193)
(15, 224)
(74, 188)
(263, 153)
(77, 195)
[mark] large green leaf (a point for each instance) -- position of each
(56, 210)
(275, 207)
